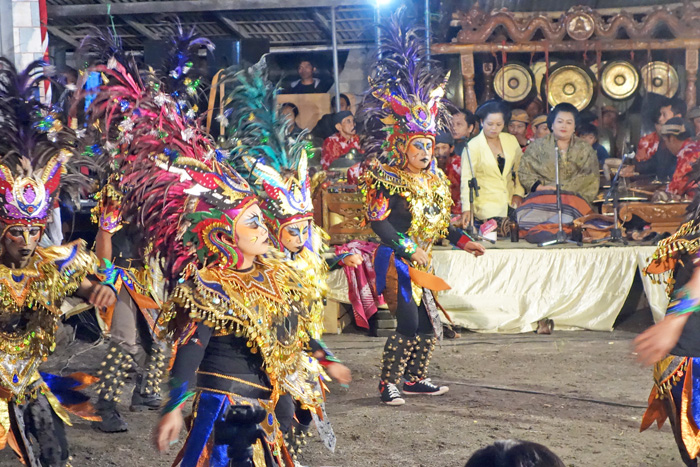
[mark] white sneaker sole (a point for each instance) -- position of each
(439, 392)
(395, 402)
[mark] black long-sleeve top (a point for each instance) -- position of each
(228, 355)
(204, 355)
(399, 222)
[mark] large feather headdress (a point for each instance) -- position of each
(405, 99)
(39, 156)
(177, 189)
(179, 75)
(260, 148)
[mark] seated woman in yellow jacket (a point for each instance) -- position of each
(495, 158)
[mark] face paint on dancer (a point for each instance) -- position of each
(19, 244)
(419, 154)
(294, 236)
(251, 234)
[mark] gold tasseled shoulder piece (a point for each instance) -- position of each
(685, 241)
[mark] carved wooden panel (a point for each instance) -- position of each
(343, 214)
(663, 217)
(468, 73)
(579, 23)
(691, 75)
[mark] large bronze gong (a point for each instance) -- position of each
(660, 78)
(569, 83)
(513, 82)
(539, 70)
(619, 80)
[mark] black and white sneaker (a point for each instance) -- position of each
(424, 387)
(390, 394)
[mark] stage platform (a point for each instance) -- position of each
(514, 285)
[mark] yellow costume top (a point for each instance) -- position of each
(31, 299)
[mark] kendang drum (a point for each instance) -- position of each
(619, 80)
(514, 83)
(569, 83)
(660, 78)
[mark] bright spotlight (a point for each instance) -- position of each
(382, 3)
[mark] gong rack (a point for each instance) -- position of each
(580, 29)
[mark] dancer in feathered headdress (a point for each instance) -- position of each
(201, 222)
(40, 160)
(124, 90)
(124, 96)
(408, 202)
(671, 345)
(277, 169)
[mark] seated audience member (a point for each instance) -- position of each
(451, 164)
(462, 126)
(539, 127)
(291, 112)
(694, 117)
(589, 133)
(325, 127)
(677, 139)
(517, 126)
(514, 453)
(611, 131)
(342, 142)
(495, 157)
(578, 165)
(533, 109)
(653, 158)
(307, 84)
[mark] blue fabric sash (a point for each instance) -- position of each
(210, 408)
(695, 399)
(64, 389)
(381, 268)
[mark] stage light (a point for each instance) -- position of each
(383, 3)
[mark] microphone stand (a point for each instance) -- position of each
(561, 235)
(616, 232)
(472, 231)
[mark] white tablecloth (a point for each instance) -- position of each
(510, 290)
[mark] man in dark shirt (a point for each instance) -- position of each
(307, 84)
(326, 126)
(462, 127)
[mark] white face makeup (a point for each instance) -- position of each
(419, 154)
(294, 235)
(251, 233)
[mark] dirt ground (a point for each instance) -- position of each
(580, 393)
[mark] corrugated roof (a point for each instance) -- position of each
(281, 27)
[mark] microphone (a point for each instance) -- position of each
(629, 152)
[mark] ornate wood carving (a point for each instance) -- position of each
(579, 23)
(468, 77)
(487, 68)
(350, 208)
(663, 217)
(691, 76)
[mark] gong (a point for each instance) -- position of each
(513, 82)
(660, 78)
(619, 80)
(569, 83)
(539, 70)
